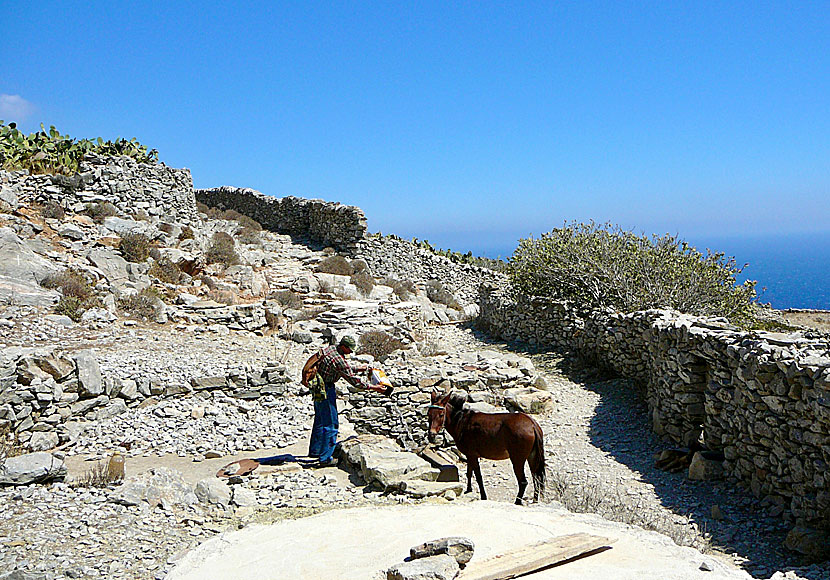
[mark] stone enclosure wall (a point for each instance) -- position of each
(331, 224)
(130, 186)
(406, 261)
(761, 399)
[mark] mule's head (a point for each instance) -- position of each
(436, 413)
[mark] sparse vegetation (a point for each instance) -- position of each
(52, 210)
(595, 266)
(223, 296)
(10, 445)
(309, 313)
(77, 294)
(98, 475)
(99, 211)
(288, 299)
(378, 343)
(588, 495)
(50, 152)
(221, 250)
(248, 235)
(146, 304)
(186, 233)
(165, 270)
(364, 282)
(134, 247)
(335, 265)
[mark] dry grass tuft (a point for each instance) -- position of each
(379, 344)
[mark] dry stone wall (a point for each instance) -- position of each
(404, 260)
(331, 224)
(761, 399)
(130, 186)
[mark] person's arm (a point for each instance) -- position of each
(345, 370)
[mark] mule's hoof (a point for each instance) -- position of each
(518, 501)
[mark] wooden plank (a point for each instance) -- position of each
(533, 557)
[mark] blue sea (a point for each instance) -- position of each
(792, 271)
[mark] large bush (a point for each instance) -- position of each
(221, 250)
(596, 266)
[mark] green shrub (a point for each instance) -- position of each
(378, 343)
(335, 265)
(221, 250)
(134, 247)
(597, 266)
(99, 211)
(165, 270)
(364, 282)
(71, 306)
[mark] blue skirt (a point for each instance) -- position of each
(326, 424)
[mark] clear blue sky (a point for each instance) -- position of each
(470, 124)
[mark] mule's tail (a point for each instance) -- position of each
(536, 462)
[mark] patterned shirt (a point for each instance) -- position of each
(334, 365)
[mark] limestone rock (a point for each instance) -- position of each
(43, 440)
(37, 467)
(213, 491)
(458, 547)
(441, 567)
(159, 486)
(703, 468)
(528, 399)
(419, 488)
(89, 374)
(810, 542)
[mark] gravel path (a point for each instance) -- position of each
(600, 459)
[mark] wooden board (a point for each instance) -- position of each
(533, 557)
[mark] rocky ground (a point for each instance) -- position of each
(599, 444)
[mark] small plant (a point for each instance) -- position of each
(186, 233)
(135, 247)
(378, 343)
(165, 270)
(202, 208)
(308, 313)
(288, 299)
(403, 289)
(141, 215)
(364, 282)
(221, 250)
(431, 347)
(437, 292)
(273, 319)
(98, 475)
(335, 265)
(99, 211)
(248, 235)
(166, 228)
(10, 445)
(52, 210)
(145, 304)
(326, 287)
(77, 294)
(223, 297)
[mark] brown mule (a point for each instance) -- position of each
(493, 436)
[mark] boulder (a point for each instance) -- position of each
(43, 440)
(441, 567)
(390, 469)
(528, 400)
(112, 266)
(705, 467)
(19, 262)
(39, 467)
(458, 547)
(213, 491)
(9, 200)
(123, 226)
(89, 374)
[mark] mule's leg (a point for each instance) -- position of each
(477, 469)
(470, 475)
(519, 470)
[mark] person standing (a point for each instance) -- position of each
(333, 366)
